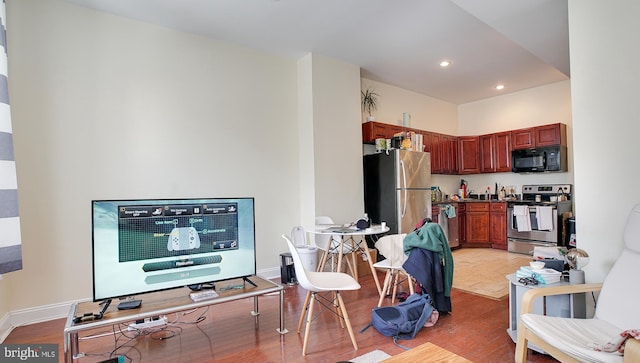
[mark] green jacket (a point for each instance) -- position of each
(431, 237)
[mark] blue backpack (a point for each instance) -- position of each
(404, 320)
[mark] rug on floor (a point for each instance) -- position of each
(483, 271)
(371, 357)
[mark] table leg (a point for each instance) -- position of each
(373, 269)
(255, 311)
(70, 355)
(282, 329)
(340, 252)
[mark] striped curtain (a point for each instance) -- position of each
(10, 239)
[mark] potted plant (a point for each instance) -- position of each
(369, 102)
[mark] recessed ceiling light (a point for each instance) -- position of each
(445, 63)
(500, 87)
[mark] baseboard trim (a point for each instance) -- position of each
(14, 319)
(5, 327)
(18, 318)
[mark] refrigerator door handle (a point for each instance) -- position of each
(404, 187)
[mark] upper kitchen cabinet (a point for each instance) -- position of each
(523, 138)
(469, 154)
(449, 154)
(551, 135)
(443, 148)
(376, 130)
(444, 152)
(495, 152)
(547, 135)
(433, 145)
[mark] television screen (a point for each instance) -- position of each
(155, 244)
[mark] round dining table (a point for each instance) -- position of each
(347, 239)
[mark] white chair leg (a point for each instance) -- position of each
(346, 320)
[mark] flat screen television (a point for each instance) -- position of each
(147, 245)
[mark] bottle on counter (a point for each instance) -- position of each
(438, 195)
(503, 194)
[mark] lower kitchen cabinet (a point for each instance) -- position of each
(462, 223)
(477, 225)
(498, 225)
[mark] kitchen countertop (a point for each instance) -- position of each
(469, 200)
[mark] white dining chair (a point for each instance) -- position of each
(335, 246)
(390, 246)
(324, 287)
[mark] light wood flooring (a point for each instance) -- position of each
(475, 330)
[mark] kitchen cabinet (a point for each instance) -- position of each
(487, 151)
(435, 212)
(523, 138)
(495, 152)
(551, 135)
(539, 136)
(503, 152)
(444, 153)
(377, 130)
(435, 148)
(449, 154)
(469, 158)
(477, 224)
(498, 225)
(462, 222)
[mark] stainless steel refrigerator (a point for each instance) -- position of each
(397, 188)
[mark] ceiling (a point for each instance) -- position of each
(518, 43)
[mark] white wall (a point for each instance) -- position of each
(329, 140)
(106, 107)
(337, 135)
(427, 113)
(606, 113)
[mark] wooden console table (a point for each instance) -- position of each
(162, 303)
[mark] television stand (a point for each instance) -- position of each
(163, 303)
(246, 279)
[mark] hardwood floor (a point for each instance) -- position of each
(476, 330)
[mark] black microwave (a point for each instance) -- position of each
(540, 159)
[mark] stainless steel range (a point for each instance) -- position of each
(537, 219)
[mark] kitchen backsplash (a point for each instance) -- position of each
(449, 184)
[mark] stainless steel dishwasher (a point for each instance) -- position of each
(448, 220)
